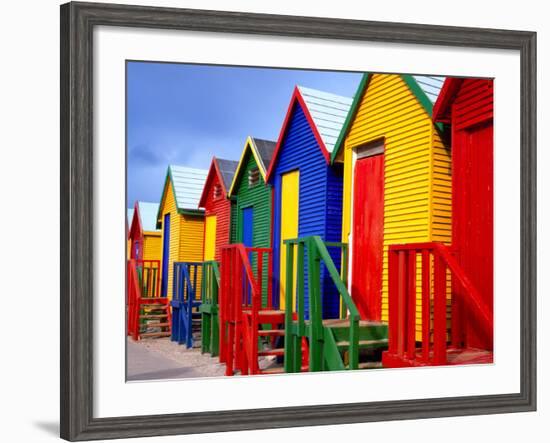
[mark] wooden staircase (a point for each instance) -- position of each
(437, 263)
(334, 344)
(148, 313)
(251, 329)
(154, 319)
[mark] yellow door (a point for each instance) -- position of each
(210, 238)
(290, 187)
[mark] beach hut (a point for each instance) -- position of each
(144, 237)
(181, 220)
(129, 216)
(307, 189)
(217, 207)
(397, 181)
(467, 106)
(252, 199)
(251, 196)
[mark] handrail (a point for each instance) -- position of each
(317, 251)
(402, 294)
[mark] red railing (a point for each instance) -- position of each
(245, 290)
(143, 285)
(435, 262)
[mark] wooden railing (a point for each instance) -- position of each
(143, 280)
(209, 308)
(317, 252)
(184, 299)
(241, 290)
(149, 277)
(435, 262)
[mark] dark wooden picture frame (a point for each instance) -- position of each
(77, 214)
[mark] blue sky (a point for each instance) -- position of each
(184, 114)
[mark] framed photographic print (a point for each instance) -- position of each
(256, 206)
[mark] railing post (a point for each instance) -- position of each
(289, 341)
(426, 305)
(411, 303)
(401, 302)
(393, 275)
(440, 308)
(315, 314)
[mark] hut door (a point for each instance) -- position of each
(210, 238)
(473, 217)
(165, 254)
(290, 185)
(368, 229)
(247, 236)
(248, 226)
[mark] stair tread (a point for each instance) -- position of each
(155, 334)
(274, 351)
(157, 325)
(344, 323)
(364, 342)
(153, 316)
(271, 332)
(275, 370)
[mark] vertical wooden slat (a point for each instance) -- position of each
(289, 339)
(393, 275)
(426, 276)
(411, 305)
(300, 289)
(440, 320)
(401, 302)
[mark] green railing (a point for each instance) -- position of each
(210, 333)
(296, 325)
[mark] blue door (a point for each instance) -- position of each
(165, 255)
(248, 236)
(248, 224)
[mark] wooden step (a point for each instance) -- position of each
(157, 325)
(275, 370)
(365, 343)
(370, 365)
(153, 316)
(271, 332)
(155, 334)
(275, 351)
(154, 306)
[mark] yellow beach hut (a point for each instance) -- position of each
(397, 181)
(181, 220)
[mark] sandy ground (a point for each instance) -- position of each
(160, 358)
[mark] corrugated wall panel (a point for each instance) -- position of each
(390, 111)
(152, 246)
(301, 151)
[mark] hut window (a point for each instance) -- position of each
(253, 177)
(217, 192)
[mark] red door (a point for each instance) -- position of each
(368, 236)
(473, 220)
